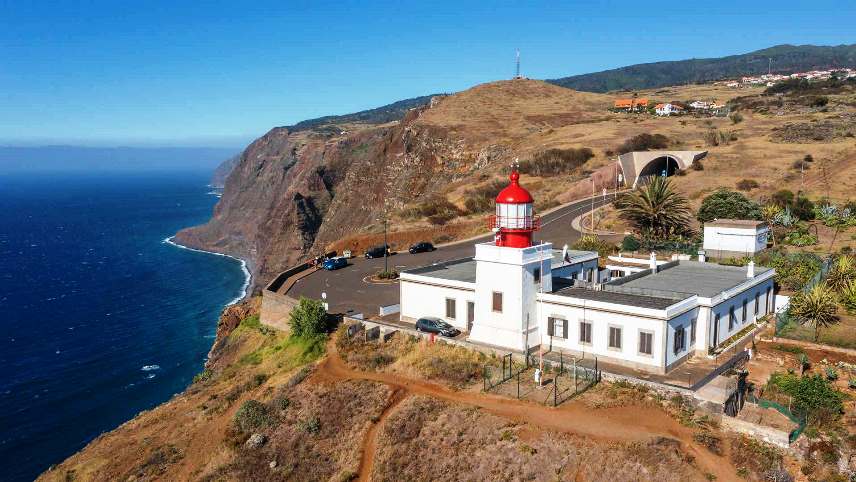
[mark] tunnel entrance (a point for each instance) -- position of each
(663, 166)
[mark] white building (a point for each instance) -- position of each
(668, 109)
(517, 296)
(724, 238)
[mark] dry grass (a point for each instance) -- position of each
(448, 363)
(431, 440)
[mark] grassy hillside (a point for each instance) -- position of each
(785, 59)
(378, 115)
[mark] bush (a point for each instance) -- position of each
(801, 164)
(311, 425)
(736, 118)
(308, 319)
(556, 161)
(644, 142)
(803, 208)
(793, 271)
(253, 415)
(813, 396)
(820, 101)
(782, 198)
(203, 376)
(725, 204)
(391, 274)
(697, 165)
(482, 198)
(747, 184)
(590, 242)
(630, 243)
(437, 209)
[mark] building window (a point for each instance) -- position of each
(450, 308)
(615, 337)
(770, 306)
(585, 332)
(537, 275)
(730, 318)
(757, 299)
(646, 343)
(497, 302)
(745, 302)
(557, 327)
(471, 311)
(680, 340)
(589, 274)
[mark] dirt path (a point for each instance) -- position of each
(620, 424)
(370, 441)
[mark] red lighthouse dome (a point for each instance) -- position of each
(514, 221)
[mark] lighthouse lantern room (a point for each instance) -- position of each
(514, 221)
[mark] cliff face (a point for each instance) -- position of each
(218, 178)
(293, 193)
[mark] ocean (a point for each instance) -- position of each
(100, 318)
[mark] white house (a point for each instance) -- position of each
(667, 109)
(725, 238)
(519, 296)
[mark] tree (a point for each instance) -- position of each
(817, 308)
(591, 242)
(769, 213)
(630, 243)
(725, 204)
(656, 209)
(308, 318)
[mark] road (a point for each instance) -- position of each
(347, 290)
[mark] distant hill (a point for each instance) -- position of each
(378, 115)
(785, 59)
(218, 179)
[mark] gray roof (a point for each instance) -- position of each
(617, 298)
(463, 269)
(734, 223)
(572, 253)
(686, 277)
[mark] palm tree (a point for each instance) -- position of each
(656, 209)
(817, 307)
(841, 274)
(769, 213)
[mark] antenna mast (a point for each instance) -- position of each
(517, 73)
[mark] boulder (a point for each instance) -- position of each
(255, 441)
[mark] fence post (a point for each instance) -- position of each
(484, 376)
(561, 362)
(575, 376)
(518, 385)
(555, 390)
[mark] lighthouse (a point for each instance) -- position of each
(514, 221)
(510, 272)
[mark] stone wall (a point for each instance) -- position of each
(276, 308)
(770, 435)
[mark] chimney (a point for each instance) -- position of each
(750, 269)
(653, 262)
(701, 257)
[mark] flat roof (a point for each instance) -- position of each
(463, 269)
(573, 254)
(734, 223)
(626, 299)
(687, 277)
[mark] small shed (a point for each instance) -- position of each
(725, 238)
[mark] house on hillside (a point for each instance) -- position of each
(519, 296)
(668, 109)
(631, 105)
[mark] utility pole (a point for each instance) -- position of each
(592, 203)
(517, 71)
(385, 245)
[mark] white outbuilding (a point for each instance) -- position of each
(724, 238)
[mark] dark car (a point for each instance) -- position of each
(423, 247)
(377, 251)
(334, 263)
(436, 325)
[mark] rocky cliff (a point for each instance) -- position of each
(292, 194)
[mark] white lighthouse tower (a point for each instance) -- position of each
(510, 271)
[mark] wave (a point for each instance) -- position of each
(149, 368)
(247, 276)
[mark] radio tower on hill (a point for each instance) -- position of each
(517, 72)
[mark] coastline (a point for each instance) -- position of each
(247, 276)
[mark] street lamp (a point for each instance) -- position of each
(385, 243)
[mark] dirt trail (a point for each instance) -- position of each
(370, 441)
(620, 424)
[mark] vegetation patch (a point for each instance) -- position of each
(644, 142)
(552, 162)
(252, 416)
(440, 361)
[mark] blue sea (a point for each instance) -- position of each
(99, 317)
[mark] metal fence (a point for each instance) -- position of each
(780, 407)
(562, 378)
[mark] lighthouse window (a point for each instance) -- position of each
(450, 308)
(497, 302)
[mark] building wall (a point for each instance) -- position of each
(575, 271)
(601, 321)
(722, 308)
(735, 240)
(419, 299)
(684, 321)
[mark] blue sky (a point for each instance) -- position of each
(221, 73)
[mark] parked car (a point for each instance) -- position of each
(334, 263)
(377, 251)
(436, 325)
(422, 247)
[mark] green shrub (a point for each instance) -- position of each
(552, 162)
(831, 374)
(590, 242)
(311, 425)
(203, 376)
(736, 118)
(725, 204)
(630, 243)
(813, 396)
(481, 199)
(308, 319)
(253, 415)
(644, 142)
(747, 184)
(391, 274)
